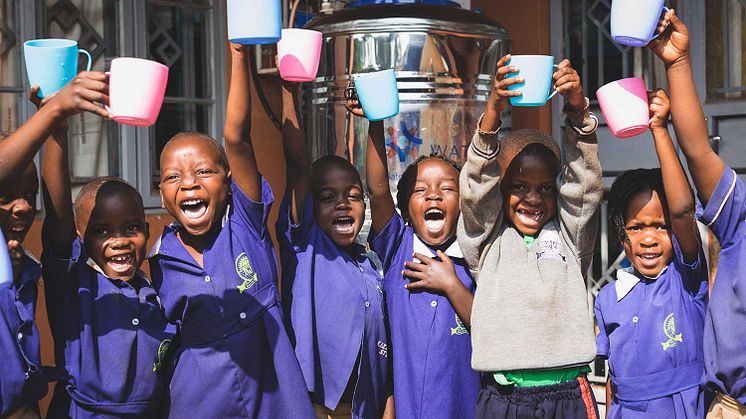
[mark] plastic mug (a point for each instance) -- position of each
(377, 92)
(136, 90)
(52, 63)
(298, 54)
(633, 22)
(624, 104)
(536, 87)
(254, 21)
(6, 270)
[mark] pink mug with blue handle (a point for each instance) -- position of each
(624, 104)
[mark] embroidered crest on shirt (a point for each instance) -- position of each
(245, 272)
(383, 349)
(669, 328)
(459, 329)
(162, 352)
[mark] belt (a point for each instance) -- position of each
(229, 321)
(653, 386)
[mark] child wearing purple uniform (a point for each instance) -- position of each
(331, 291)
(216, 275)
(723, 195)
(426, 282)
(110, 337)
(651, 319)
(22, 382)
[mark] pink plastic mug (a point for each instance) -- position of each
(136, 90)
(298, 54)
(624, 104)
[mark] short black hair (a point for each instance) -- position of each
(212, 143)
(90, 191)
(406, 183)
(625, 186)
(323, 164)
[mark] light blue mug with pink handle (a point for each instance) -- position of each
(52, 63)
(634, 22)
(536, 87)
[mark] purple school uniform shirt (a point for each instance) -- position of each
(235, 359)
(725, 323)
(21, 380)
(651, 332)
(110, 339)
(430, 347)
(334, 303)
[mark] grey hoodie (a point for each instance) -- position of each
(531, 307)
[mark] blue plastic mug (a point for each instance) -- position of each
(633, 22)
(254, 21)
(536, 87)
(6, 271)
(378, 94)
(52, 63)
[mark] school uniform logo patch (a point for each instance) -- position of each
(550, 245)
(669, 328)
(245, 272)
(162, 353)
(459, 329)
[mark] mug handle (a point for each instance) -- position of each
(82, 51)
(554, 92)
(665, 10)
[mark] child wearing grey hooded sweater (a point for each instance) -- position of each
(527, 230)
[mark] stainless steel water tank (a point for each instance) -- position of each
(444, 59)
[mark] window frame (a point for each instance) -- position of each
(135, 142)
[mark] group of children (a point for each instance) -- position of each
(477, 309)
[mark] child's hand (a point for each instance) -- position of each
(240, 49)
(33, 97)
(354, 107)
(500, 96)
(567, 81)
(660, 106)
(431, 274)
(80, 94)
(673, 43)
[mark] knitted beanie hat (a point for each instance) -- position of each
(515, 141)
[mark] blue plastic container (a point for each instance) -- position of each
(254, 21)
(52, 63)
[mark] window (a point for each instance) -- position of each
(726, 50)
(185, 35)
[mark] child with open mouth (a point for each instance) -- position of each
(426, 282)
(215, 272)
(331, 290)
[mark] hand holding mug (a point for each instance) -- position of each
(353, 106)
(81, 95)
(567, 82)
(660, 107)
(33, 97)
(500, 95)
(673, 44)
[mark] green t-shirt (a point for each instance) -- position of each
(536, 378)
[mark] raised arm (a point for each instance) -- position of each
(689, 122)
(479, 185)
(376, 171)
(79, 95)
(678, 192)
(19, 149)
(580, 181)
(237, 131)
(296, 151)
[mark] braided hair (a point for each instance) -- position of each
(409, 178)
(625, 186)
